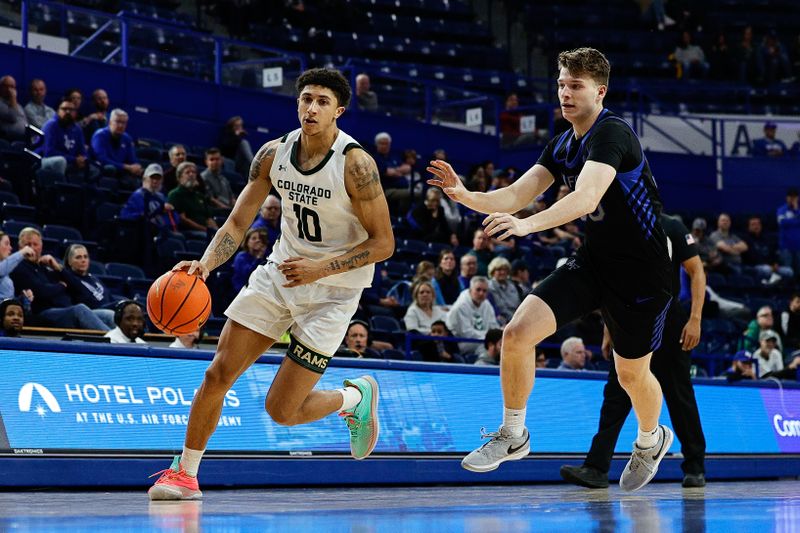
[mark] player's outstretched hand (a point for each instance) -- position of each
(300, 271)
(195, 268)
(501, 226)
(447, 179)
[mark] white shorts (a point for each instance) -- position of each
(317, 314)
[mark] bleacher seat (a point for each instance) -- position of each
(61, 233)
(124, 270)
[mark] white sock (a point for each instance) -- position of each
(647, 439)
(190, 460)
(350, 398)
(514, 421)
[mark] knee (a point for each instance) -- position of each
(516, 338)
(280, 412)
(628, 378)
(216, 380)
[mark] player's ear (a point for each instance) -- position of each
(601, 91)
(339, 112)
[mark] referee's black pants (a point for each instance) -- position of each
(671, 365)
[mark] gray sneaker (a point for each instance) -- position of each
(643, 464)
(501, 447)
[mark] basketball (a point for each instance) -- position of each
(178, 303)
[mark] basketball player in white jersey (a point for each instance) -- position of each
(335, 225)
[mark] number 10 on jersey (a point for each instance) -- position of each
(308, 227)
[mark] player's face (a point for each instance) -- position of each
(580, 96)
(317, 109)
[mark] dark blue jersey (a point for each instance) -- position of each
(623, 234)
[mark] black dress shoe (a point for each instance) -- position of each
(694, 480)
(585, 476)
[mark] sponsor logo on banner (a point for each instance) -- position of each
(783, 408)
(25, 399)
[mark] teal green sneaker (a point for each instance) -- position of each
(362, 420)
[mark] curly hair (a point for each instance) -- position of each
(329, 78)
(583, 61)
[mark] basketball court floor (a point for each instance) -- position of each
(722, 506)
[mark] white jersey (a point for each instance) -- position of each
(317, 220)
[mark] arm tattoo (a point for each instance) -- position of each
(366, 179)
(351, 263)
(222, 249)
(255, 166)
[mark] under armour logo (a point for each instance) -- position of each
(281, 168)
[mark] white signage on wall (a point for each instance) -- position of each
(474, 116)
(272, 77)
(527, 124)
(37, 41)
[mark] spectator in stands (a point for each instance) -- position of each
(234, 145)
(190, 204)
(190, 341)
(269, 218)
(36, 111)
(76, 97)
(367, 99)
(468, 268)
(446, 351)
(254, 249)
(64, 150)
(113, 148)
(691, 58)
(502, 290)
(423, 311)
(428, 218)
(472, 315)
(129, 319)
(722, 59)
(149, 203)
(521, 278)
(751, 68)
(12, 116)
(13, 316)
(99, 118)
(445, 279)
(730, 246)
(764, 321)
(218, 188)
(706, 249)
(492, 345)
(177, 155)
(83, 286)
(790, 324)
(43, 275)
(768, 145)
(768, 357)
(574, 355)
(762, 253)
(481, 250)
(424, 272)
(741, 367)
(10, 261)
(775, 59)
(357, 342)
(396, 185)
(789, 231)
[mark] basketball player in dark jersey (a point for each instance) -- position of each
(623, 268)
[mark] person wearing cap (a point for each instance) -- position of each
(764, 321)
(789, 231)
(706, 249)
(768, 145)
(768, 357)
(149, 203)
(741, 367)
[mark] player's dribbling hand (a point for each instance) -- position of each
(193, 268)
(300, 271)
(501, 226)
(447, 179)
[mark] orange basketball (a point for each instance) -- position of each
(178, 303)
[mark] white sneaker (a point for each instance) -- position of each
(501, 447)
(643, 464)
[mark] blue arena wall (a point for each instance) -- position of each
(66, 407)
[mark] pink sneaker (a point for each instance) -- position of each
(175, 484)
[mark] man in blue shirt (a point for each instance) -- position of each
(769, 145)
(113, 148)
(789, 231)
(149, 203)
(63, 141)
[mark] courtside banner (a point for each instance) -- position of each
(117, 403)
